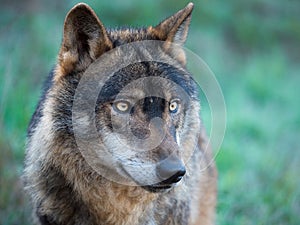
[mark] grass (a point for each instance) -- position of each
(252, 47)
(260, 154)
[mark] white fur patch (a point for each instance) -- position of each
(178, 138)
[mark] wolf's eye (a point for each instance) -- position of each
(122, 106)
(173, 107)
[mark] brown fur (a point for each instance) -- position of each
(64, 189)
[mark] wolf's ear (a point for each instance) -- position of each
(175, 28)
(84, 39)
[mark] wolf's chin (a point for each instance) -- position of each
(158, 188)
(162, 186)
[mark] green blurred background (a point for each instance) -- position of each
(253, 47)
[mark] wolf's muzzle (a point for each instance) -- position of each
(170, 170)
(174, 178)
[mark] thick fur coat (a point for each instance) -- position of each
(64, 188)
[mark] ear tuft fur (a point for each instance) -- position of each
(175, 28)
(84, 39)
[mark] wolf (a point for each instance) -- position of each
(147, 160)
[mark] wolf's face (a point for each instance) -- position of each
(146, 113)
(145, 122)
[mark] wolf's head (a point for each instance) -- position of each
(145, 115)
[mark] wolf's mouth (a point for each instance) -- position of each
(166, 184)
(157, 188)
(163, 185)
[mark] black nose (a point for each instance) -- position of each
(171, 170)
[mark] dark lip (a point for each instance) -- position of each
(157, 188)
(154, 188)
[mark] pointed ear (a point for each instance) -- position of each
(175, 28)
(84, 39)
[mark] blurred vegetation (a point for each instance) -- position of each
(253, 47)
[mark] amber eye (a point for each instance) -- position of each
(173, 107)
(122, 106)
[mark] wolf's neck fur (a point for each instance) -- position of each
(114, 203)
(108, 202)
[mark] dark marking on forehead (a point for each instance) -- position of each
(154, 107)
(135, 71)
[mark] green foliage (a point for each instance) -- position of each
(253, 48)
